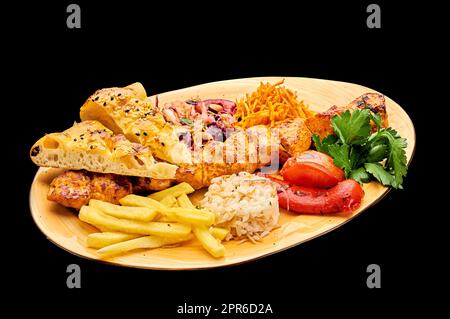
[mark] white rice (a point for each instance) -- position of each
(246, 204)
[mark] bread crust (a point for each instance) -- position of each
(128, 111)
(91, 146)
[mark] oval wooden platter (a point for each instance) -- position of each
(62, 227)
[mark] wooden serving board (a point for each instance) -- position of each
(62, 227)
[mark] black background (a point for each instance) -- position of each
(170, 46)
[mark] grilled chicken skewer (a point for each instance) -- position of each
(75, 188)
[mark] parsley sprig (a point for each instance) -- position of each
(364, 155)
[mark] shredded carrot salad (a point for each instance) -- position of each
(268, 105)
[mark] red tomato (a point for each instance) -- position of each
(313, 169)
(346, 196)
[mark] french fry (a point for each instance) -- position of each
(208, 241)
(184, 201)
(100, 240)
(135, 213)
(168, 201)
(166, 219)
(184, 215)
(103, 229)
(141, 201)
(139, 243)
(177, 190)
(93, 216)
(219, 232)
(190, 216)
(211, 244)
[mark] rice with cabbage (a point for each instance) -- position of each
(244, 203)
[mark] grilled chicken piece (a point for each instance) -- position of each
(320, 123)
(245, 151)
(110, 187)
(70, 189)
(75, 188)
(238, 153)
(295, 137)
(144, 184)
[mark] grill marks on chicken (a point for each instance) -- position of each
(320, 123)
(295, 138)
(71, 189)
(144, 184)
(245, 151)
(75, 188)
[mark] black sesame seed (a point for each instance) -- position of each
(92, 147)
(137, 110)
(96, 98)
(145, 133)
(119, 94)
(136, 101)
(126, 111)
(104, 103)
(112, 98)
(137, 134)
(74, 139)
(162, 143)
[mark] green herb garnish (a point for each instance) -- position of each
(186, 121)
(364, 155)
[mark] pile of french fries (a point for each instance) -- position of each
(163, 218)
